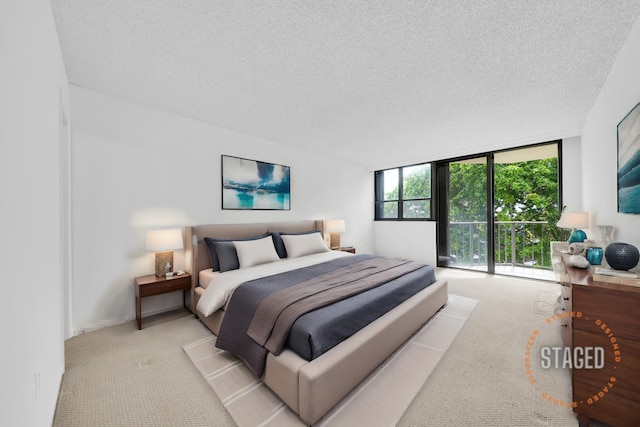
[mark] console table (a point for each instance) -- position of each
(605, 315)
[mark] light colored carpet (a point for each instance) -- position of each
(120, 376)
(380, 400)
(481, 381)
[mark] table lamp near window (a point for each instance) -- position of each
(332, 229)
(575, 221)
(163, 242)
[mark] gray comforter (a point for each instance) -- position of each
(322, 328)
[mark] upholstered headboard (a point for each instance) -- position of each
(196, 251)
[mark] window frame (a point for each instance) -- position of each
(379, 199)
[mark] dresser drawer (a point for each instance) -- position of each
(617, 310)
(624, 366)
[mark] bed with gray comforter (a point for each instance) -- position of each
(333, 346)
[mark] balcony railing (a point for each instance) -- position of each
(517, 244)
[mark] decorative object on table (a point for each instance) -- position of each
(332, 229)
(609, 275)
(577, 248)
(621, 256)
(605, 235)
(594, 255)
(250, 184)
(606, 271)
(575, 221)
(163, 242)
(578, 261)
(628, 161)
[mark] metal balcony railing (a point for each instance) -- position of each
(517, 244)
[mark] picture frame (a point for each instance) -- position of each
(628, 172)
(254, 185)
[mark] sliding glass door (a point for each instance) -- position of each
(462, 214)
(527, 208)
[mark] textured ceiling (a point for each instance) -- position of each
(377, 83)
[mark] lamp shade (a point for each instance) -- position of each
(164, 240)
(335, 226)
(573, 220)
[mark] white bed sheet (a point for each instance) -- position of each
(221, 285)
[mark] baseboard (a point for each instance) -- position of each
(114, 322)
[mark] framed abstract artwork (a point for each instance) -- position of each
(251, 184)
(629, 162)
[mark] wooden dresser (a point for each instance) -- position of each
(606, 315)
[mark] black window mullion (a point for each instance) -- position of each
(379, 196)
(400, 194)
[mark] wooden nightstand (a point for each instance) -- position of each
(151, 284)
(349, 249)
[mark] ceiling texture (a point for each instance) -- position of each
(376, 83)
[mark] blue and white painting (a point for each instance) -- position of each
(629, 162)
(250, 184)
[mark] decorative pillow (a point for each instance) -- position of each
(227, 256)
(254, 252)
(213, 254)
(304, 244)
(277, 241)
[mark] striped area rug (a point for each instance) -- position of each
(380, 400)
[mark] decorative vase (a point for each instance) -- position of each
(594, 255)
(605, 235)
(621, 256)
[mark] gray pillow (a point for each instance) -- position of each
(227, 256)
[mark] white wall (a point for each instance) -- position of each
(620, 93)
(136, 168)
(33, 92)
(415, 240)
(572, 174)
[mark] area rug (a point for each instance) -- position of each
(380, 400)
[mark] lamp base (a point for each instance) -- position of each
(577, 236)
(164, 263)
(334, 241)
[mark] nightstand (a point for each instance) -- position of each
(151, 284)
(349, 249)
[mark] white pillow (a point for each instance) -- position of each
(254, 252)
(298, 245)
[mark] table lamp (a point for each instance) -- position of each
(334, 227)
(163, 242)
(575, 221)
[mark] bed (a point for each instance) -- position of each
(309, 387)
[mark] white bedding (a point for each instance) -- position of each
(220, 285)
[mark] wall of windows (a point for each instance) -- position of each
(404, 193)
